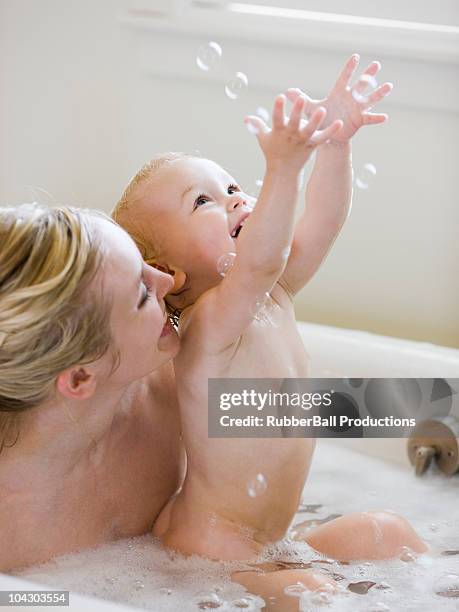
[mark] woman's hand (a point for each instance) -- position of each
(350, 104)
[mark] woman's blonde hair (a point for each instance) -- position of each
(48, 322)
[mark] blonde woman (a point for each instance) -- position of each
(89, 428)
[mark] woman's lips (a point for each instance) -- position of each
(167, 329)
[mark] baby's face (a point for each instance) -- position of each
(195, 210)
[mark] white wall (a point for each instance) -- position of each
(85, 100)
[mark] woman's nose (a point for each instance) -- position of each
(164, 283)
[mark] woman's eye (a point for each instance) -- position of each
(233, 189)
(146, 295)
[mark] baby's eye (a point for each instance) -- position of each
(233, 189)
(200, 200)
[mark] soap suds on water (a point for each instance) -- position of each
(139, 572)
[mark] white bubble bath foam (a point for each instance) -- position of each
(140, 573)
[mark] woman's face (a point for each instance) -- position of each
(140, 327)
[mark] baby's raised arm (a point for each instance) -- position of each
(264, 243)
(329, 191)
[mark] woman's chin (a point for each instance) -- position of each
(169, 340)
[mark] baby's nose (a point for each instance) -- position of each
(235, 202)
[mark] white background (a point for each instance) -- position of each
(89, 91)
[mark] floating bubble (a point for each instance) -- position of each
(209, 56)
(365, 176)
(209, 601)
(237, 86)
(225, 262)
(433, 527)
(138, 585)
(447, 586)
(165, 591)
(258, 304)
(364, 88)
(286, 253)
(265, 310)
(407, 555)
(253, 129)
(295, 590)
(257, 486)
(248, 603)
(263, 113)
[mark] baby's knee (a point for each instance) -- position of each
(393, 533)
(365, 535)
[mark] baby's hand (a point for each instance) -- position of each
(348, 103)
(292, 140)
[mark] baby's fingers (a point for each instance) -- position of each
(379, 94)
(255, 125)
(279, 112)
(320, 137)
(373, 118)
(295, 116)
(314, 123)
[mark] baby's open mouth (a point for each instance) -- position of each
(239, 225)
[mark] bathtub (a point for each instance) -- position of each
(337, 353)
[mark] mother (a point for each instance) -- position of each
(90, 444)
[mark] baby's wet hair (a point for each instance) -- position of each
(124, 211)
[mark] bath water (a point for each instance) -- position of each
(139, 572)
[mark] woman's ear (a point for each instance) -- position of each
(76, 383)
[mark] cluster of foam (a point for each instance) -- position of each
(141, 573)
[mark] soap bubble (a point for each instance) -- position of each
(447, 586)
(165, 591)
(209, 56)
(433, 527)
(365, 176)
(265, 310)
(249, 603)
(407, 555)
(257, 486)
(258, 304)
(253, 129)
(262, 113)
(321, 598)
(138, 585)
(225, 262)
(286, 253)
(208, 601)
(237, 86)
(295, 590)
(368, 84)
(257, 187)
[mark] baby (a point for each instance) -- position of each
(186, 214)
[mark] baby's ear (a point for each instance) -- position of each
(179, 278)
(178, 274)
